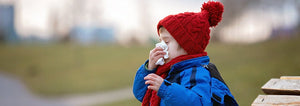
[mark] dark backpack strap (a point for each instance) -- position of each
(214, 72)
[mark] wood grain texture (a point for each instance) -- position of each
(282, 87)
(276, 100)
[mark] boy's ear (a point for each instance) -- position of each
(160, 30)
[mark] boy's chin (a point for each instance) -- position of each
(167, 60)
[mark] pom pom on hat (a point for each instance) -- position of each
(215, 11)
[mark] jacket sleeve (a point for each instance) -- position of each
(139, 86)
(174, 94)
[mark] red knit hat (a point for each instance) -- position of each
(190, 29)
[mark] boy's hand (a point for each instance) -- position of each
(154, 81)
(154, 55)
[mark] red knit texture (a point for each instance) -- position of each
(151, 98)
(215, 11)
(190, 29)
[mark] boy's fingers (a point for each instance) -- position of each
(156, 49)
(153, 75)
(151, 87)
(159, 53)
(150, 77)
(157, 57)
(149, 82)
(153, 81)
(155, 53)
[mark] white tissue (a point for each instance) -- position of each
(164, 46)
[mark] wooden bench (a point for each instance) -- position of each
(283, 100)
(283, 92)
(282, 87)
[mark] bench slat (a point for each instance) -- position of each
(290, 77)
(282, 100)
(282, 87)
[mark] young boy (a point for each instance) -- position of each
(185, 79)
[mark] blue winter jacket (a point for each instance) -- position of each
(188, 83)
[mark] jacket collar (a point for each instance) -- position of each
(195, 62)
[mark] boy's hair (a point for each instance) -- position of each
(191, 29)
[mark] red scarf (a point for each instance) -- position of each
(151, 95)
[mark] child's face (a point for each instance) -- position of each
(175, 49)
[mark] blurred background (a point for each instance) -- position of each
(86, 52)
